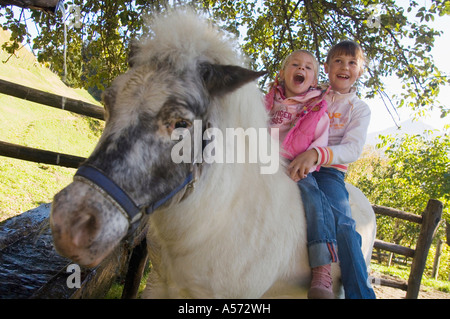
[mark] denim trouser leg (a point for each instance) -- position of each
(320, 222)
(353, 267)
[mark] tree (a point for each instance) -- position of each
(270, 29)
(275, 28)
(97, 44)
(415, 168)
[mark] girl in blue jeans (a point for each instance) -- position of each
(330, 228)
(329, 223)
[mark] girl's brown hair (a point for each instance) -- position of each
(347, 47)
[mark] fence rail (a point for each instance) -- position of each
(50, 99)
(394, 248)
(392, 212)
(39, 156)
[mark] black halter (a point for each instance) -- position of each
(96, 178)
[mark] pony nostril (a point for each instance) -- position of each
(85, 230)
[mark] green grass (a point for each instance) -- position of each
(25, 185)
(115, 292)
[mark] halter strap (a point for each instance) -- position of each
(133, 211)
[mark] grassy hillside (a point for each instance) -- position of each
(25, 185)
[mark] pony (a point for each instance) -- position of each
(216, 229)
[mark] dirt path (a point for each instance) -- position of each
(383, 292)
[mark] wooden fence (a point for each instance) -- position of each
(429, 220)
(53, 100)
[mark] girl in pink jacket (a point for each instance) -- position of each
(297, 108)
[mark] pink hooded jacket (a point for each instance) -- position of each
(302, 120)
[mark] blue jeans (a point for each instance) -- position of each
(329, 223)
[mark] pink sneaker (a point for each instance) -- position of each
(321, 283)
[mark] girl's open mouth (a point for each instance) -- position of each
(299, 78)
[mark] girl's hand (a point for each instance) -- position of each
(301, 165)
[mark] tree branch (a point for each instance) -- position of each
(312, 24)
(286, 26)
(48, 6)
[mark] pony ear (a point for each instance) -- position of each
(222, 79)
(133, 49)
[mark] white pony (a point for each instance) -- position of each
(238, 233)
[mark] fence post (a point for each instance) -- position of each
(431, 218)
(437, 258)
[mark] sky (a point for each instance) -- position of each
(380, 117)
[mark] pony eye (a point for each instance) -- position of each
(181, 124)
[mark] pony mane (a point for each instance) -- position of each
(181, 39)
